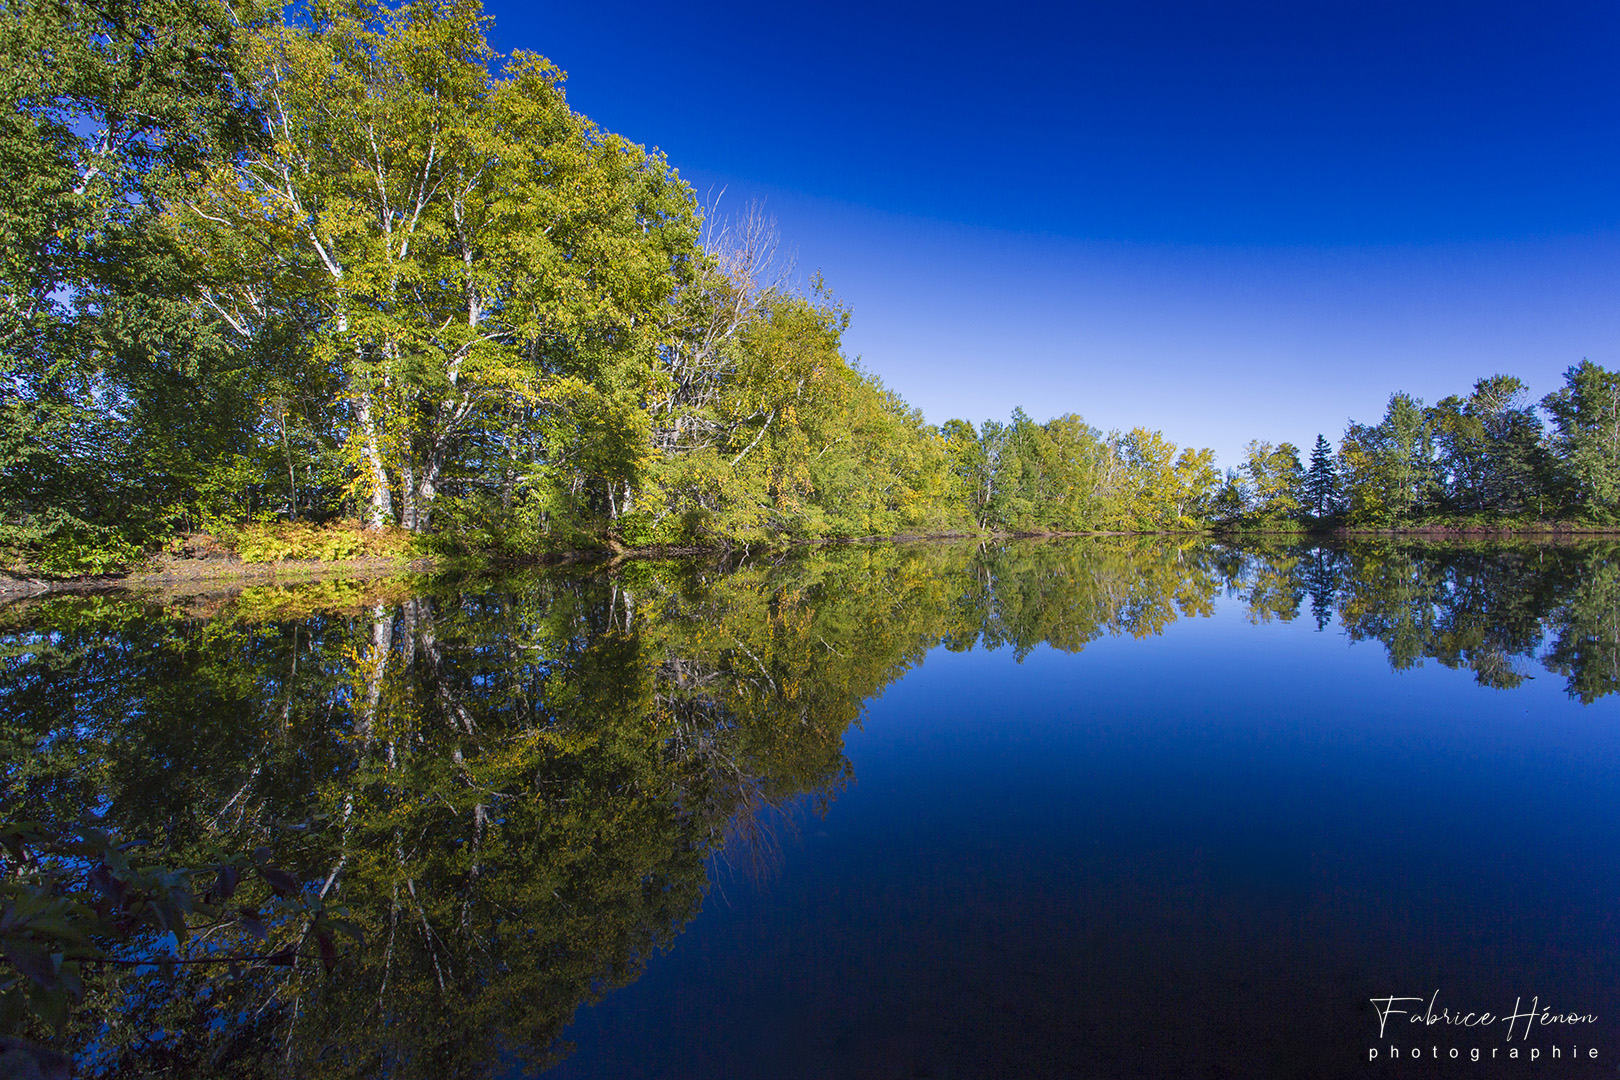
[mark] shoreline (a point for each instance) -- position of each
(220, 574)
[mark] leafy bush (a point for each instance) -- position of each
(100, 552)
(327, 543)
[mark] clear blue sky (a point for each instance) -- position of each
(1225, 221)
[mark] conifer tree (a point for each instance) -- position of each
(1321, 480)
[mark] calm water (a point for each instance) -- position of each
(1092, 809)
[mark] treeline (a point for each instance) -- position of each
(1487, 458)
(348, 263)
(1066, 476)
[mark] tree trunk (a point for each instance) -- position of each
(408, 509)
(381, 500)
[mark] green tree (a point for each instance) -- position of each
(1489, 449)
(970, 466)
(1274, 480)
(477, 252)
(106, 107)
(1389, 469)
(1586, 442)
(1321, 489)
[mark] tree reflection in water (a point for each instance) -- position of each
(516, 788)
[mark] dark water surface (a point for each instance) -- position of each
(1090, 808)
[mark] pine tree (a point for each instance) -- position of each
(1321, 480)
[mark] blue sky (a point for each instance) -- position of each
(1225, 221)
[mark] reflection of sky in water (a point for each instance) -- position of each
(1197, 854)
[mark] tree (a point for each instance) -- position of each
(104, 108)
(1321, 489)
(1157, 487)
(1586, 441)
(478, 253)
(1488, 448)
(969, 464)
(1274, 479)
(1231, 496)
(1389, 468)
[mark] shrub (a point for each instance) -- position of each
(324, 543)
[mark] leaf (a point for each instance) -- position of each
(328, 950)
(225, 882)
(51, 1007)
(20, 1058)
(32, 960)
(109, 886)
(351, 929)
(68, 973)
(252, 922)
(285, 958)
(285, 883)
(56, 924)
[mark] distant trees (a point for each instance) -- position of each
(1273, 481)
(1486, 456)
(1489, 449)
(1067, 476)
(1389, 467)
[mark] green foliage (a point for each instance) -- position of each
(1586, 442)
(107, 107)
(81, 551)
(1389, 468)
(348, 262)
(1321, 490)
(1066, 476)
(1274, 481)
(1489, 450)
(331, 543)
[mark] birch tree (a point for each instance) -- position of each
(477, 249)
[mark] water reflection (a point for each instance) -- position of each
(516, 789)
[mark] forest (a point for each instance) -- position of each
(344, 271)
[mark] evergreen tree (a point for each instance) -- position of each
(1322, 480)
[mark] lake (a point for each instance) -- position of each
(1079, 808)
